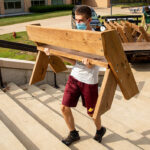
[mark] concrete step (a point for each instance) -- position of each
(32, 134)
(131, 117)
(8, 140)
(111, 139)
(121, 129)
(55, 120)
(140, 104)
(143, 95)
(144, 88)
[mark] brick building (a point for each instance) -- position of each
(17, 6)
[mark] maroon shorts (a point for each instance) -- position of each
(74, 89)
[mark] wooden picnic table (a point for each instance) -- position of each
(137, 52)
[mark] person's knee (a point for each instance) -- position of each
(65, 109)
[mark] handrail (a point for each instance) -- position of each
(23, 47)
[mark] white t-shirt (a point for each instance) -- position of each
(84, 74)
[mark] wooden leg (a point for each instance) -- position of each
(40, 68)
(106, 94)
(56, 64)
(144, 33)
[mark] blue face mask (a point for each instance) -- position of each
(81, 26)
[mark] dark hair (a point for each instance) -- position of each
(84, 10)
(146, 9)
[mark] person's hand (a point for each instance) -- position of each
(47, 51)
(85, 61)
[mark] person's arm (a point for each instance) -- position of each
(72, 61)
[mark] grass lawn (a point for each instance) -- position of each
(131, 5)
(16, 54)
(31, 17)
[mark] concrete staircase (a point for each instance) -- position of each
(31, 119)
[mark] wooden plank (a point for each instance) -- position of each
(122, 35)
(117, 24)
(113, 25)
(76, 55)
(56, 64)
(118, 62)
(120, 28)
(105, 100)
(144, 34)
(122, 23)
(84, 41)
(40, 68)
(135, 46)
(132, 25)
(140, 38)
(128, 34)
(108, 26)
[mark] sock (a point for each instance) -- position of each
(74, 132)
(99, 131)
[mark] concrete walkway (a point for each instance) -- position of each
(59, 22)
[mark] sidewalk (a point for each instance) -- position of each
(60, 22)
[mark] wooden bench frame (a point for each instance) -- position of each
(143, 35)
(128, 31)
(102, 49)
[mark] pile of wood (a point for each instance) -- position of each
(131, 34)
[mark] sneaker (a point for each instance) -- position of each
(100, 134)
(72, 137)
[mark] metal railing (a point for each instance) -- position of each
(22, 47)
(131, 18)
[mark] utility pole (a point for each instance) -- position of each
(111, 7)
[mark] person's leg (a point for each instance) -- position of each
(97, 123)
(89, 98)
(70, 99)
(100, 130)
(68, 117)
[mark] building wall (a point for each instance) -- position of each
(97, 3)
(2, 9)
(68, 1)
(93, 3)
(49, 2)
(27, 5)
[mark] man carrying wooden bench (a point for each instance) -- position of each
(83, 82)
(102, 49)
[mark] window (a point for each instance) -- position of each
(57, 2)
(37, 2)
(12, 4)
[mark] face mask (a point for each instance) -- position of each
(81, 26)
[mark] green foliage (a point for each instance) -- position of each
(50, 8)
(130, 1)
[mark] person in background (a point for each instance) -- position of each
(146, 18)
